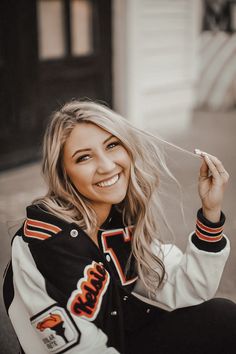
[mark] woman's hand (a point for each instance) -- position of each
(212, 182)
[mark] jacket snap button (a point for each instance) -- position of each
(113, 313)
(74, 233)
(125, 298)
(148, 310)
(108, 258)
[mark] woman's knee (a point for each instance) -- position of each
(218, 307)
(207, 319)
(210, 325)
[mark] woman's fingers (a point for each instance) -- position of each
(204, 170)
(216, 167)
(213, 165)
(211, 186)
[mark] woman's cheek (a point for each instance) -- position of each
(84, 174)
(123, 156)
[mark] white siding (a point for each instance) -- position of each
(217, 75)
(160, 68)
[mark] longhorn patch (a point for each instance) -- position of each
(86, 300)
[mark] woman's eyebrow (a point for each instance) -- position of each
(107, 139)
(89, 149)
(80, 150)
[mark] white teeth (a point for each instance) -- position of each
(109, 182)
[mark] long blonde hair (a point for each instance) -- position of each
(141, 202)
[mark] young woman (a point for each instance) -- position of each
(89, 272)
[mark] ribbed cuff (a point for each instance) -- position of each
(208, 235)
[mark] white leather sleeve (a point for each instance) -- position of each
(192, 277)
(31, 299)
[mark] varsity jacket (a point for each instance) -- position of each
(65, 294)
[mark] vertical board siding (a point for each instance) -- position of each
(163, 48)
(217, 79)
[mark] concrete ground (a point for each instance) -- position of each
(214, 133)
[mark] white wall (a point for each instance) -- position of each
(155, 67)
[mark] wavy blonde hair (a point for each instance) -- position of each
(141, 203)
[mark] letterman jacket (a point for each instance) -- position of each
(64, 294)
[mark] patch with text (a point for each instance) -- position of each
(56, 329)
(86, 300)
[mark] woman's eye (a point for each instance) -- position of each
(113, 144)
(82, 158)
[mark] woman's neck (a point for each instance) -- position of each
(102, 212)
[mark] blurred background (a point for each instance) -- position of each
(168, 66)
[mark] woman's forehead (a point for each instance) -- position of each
(86, 130)
(85, 136)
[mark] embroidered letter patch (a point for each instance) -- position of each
(86, 300)
(56, 328)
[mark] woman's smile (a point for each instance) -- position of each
(98, 165)
(108, 182)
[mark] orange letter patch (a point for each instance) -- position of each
(86, 300)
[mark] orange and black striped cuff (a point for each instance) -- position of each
(209, 236)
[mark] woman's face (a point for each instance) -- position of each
(98, 165)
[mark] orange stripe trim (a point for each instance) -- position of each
(43, 225)
(208, 238)
(35, 234)
(209, 229)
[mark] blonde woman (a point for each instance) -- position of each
(89, 273)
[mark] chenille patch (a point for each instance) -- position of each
(86, 300)
(39, 230)
(56, 329)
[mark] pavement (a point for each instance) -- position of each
(211, 132)
(18, 187)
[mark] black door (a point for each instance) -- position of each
(50, 51)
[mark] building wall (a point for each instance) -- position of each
(155, 61)
(216, 88)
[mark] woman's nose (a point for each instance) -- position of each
(105, 164)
